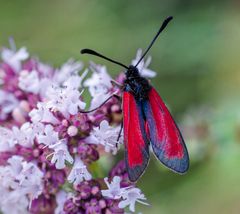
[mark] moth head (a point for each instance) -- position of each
(132, 71)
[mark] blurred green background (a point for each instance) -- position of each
(198, 64)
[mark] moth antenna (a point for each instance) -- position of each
(92, 52)
(164, 24)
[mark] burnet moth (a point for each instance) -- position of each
(147, 121)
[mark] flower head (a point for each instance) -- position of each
(79, 172)
(29, 81)
(48, 137)
(107, 136)
(130, 197)
(14, 58)
(42, 129)
(60, 154)
(65, 100)
(114, 190)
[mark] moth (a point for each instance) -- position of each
(147, 122)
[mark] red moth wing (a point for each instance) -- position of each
(135, 139)
(166, 140)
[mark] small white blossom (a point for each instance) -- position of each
(60, 155)
(30, 173)
(21, 182)
(2, 76)
(142, 66)
(100, 81)
(30, 180)
(7, 103)
(68, 69)
(23, 136)
(61, 197)
(79, 172)
(42, 114)
(6, 140)
(29, 81)
(13, 58)
(45, 84)
(38, 128)
(107, 136)
(65, 100)
(75, 81)
(114, 190)
(15, 202)
(130, 197)
(45, 70)
(49, 137)
(15, 165)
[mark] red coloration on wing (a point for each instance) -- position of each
(135, 140)
(166, 139)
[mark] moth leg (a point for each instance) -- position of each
(120, 132)
(109, 98)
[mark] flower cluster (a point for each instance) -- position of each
(48, 145)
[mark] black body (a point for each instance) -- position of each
(135, 84)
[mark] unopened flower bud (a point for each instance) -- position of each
(65, 123)
(17, 114)
(24, 105)
(72, 131)
(115, 108)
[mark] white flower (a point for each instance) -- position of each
(42, 114)
(98, 99)
(23, 136)
(61, 197)
(79, 172)
(2, 76)
(14, 203)
(7, 179)
(38, 128)
(114, 190)
(21, 182)
(7, 103)
(68, 69)
(130, 197)
(13, 58)
(66, 100)
(75, 81)
(100, 81)
(48, 137)
(45, 70)
(29, 81)
(30, 173)
(15, 166)
(60, 154)
(6, 141)
(45, 83)
(30, 180)
(107, 136)
(142, 66)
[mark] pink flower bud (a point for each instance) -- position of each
(72, 131)
(115, 108)
(65, 122)
(24, 105)
(18, 116)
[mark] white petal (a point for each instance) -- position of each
(60, 164)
